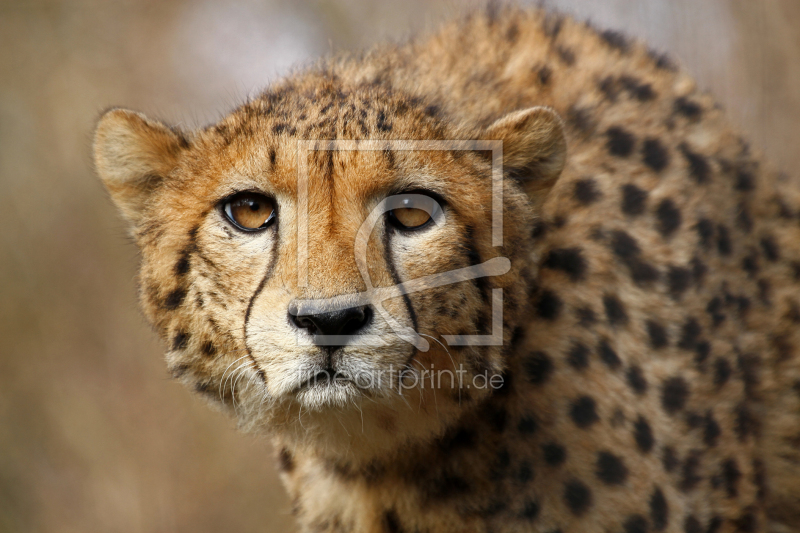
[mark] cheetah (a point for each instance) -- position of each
(551, 217)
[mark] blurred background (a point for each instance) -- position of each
(93, 434)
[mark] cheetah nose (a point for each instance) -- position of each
(341, 322)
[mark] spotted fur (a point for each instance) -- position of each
(650, 372)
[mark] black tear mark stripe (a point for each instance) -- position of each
(261, 284)
(387, 257)
(474, 258)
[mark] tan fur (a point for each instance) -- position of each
(651, 379)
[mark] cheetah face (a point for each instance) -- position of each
(319, 287)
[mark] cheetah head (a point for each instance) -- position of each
(333, 263)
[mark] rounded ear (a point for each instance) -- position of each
(133, 155)
(534, 148)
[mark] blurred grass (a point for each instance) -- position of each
(93, 435)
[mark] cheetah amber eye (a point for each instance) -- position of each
(249, 211)
(413, 211)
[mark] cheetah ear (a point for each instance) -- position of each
(133, 156)
(534, 148)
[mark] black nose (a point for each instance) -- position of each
(342, 322)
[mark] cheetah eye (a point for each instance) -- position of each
(413, 211)
(249, 211)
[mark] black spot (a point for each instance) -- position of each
(661, 60)
(539, 229)
(692, 525)
(674, 394)
(722, 371)
(587, 317)
(381, 123)
(180, 340)
(744, 181)
(643, 435)
(568, 260)
(183, 265)
(655, 155)
(615, 311)
(580, 119)
(658, 335)
(272, 156)
(749, 366)
(669, 217)
(285, 460)
(530, 510)
(694, 420)
(624, 246)
(608, 86)
(583, 412)
(750, 263)
(208, 348)
(669, 460)
(391, 522)
(457, 438)
(495, 416)
(586, 191)
(714, 524)
(699, 168)
(548, 306)
(524, 472)
(731, 475)
(544, 73)
(723, 240)
(678, 280)
(634, 200)
(608, 355)
(690, 332)
(527, 425)
(620, 142)
(447, 486)
(771, 250)
(577, 497)
(175, 298)
(538, 367)
(711, 430)
(566, 55)
(636, 88)
(610, 469)
(715, 308)
(578, 356)
(687, 108)
(636, 380)
(615, 40)
(689, 476)
(635, 524)
(659, 510)
(747, 522)
(554, 454)
(705, 230)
